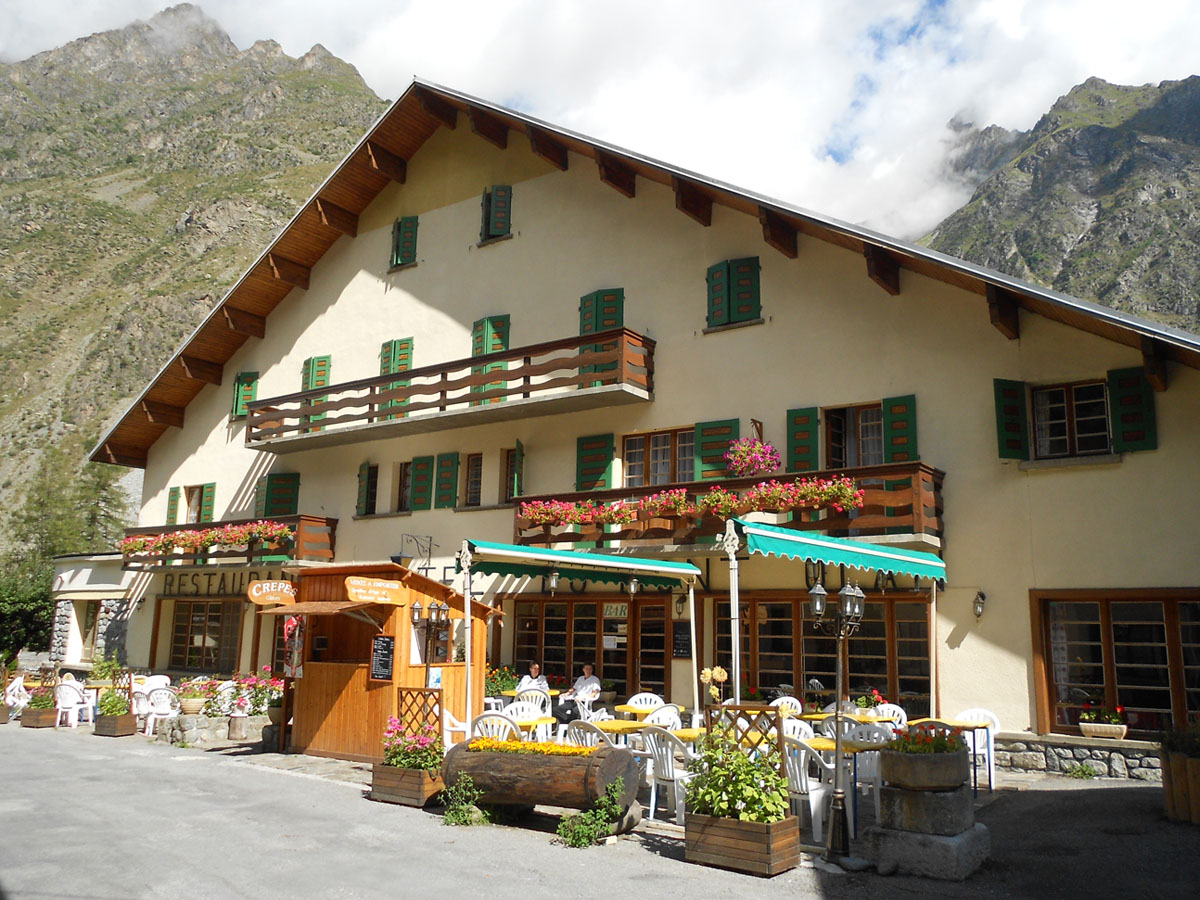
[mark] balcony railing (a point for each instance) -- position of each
(608, 368)
(313, 539)
(901, 501)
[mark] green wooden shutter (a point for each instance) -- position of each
(802, 443)
(499, 211)
(404, 241)
(712, 440)
(245, 389)
(422, 482)
(744, 304)
(489, 335)
(445, 495)
(207, 494)
(518, 469)
(173, 506)
(1131, 411)
(315, 374)
(600, 311)
(395, 356)
(364, 481)
(900, 429)
(594, 462)
(1012, 419)
(718, 294)
(277, 495)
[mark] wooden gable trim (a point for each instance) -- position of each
(1155, 364)
(337, 218)
(778, 232)
(546, 147)
(445, 113)
(284, 269)
(386, 162)
(163, 413)
(616, 174)
(692, 202)
(882, 268)
(201, 369)
(488, 127)
(1004, 311)
(124, 456)
(245, 322)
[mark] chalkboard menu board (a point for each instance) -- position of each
(383, 653)
(681, 639)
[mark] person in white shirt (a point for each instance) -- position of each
(535, 679)
(586, 687)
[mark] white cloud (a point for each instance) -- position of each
(756, 94)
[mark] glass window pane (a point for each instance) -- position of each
(685, 461)
(635, 461)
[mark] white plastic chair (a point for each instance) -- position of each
(812, 791)
(666, 716)
(791, 703)
(524, 710)
(866, 762)
(498, 726)
(140, 706)
(797, 729)
(16, 697)
(663, 748)
(645, 700)
(164, 704)
(70, 701)
(585, 734)
(900, 720)
(847, 707)
(538, 696)
(156, 681)
(829, 725)
(971, 738)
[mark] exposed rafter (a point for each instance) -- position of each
(1004, 311)
(778, 232)
(444, 112)
(335, 217)
(124, 456)
(882, 268)
(615, 173)
(488, 127)
(386, 162)
(245, 322)
(552, 151)
(1155, 363)
(201, 369)
(289, 270)
(692, 202)
(163, 413)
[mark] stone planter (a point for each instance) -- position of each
(924, 771)
(116, 726)
(1116, 731)
(407, 787)
(191, 706)
(607, 697)
(754, 847)
(39, 718)
(275, 714)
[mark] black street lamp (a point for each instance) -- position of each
(439, 615)
(846, 617)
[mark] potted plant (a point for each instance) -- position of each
(496, 681)
(737, 810)
(193, 695)
(40, 712)
(1102, 721)
(925, 760)
(115, 718)
(751, 456)
(608, 691)
(410, 773)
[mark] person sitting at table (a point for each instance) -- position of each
(535, 679)
(586, 687)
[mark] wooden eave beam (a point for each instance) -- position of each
(337, 218)
(125, 456)
(1004, 311)
(488, 127)
(882, 268)
(289, 270)
(245, 322)
(201, 369)
(1155, 364)
(616, 174)
(548, 148)
(778, 232)
(163, 413)
(445, 113)
(386, 163)
(692, 202)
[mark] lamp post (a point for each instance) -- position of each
(439, 615)
(846, 616)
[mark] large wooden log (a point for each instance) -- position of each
(527, 779)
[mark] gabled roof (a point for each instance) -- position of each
(380, 157)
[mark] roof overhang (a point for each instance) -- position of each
(490, 558)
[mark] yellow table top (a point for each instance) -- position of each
(688, 735)
(553, 692)
(620, 726)
(640, 711)
(861, 718)
(534, 723)
(828, 745)
(964, 724)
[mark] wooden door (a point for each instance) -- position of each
(651, 658)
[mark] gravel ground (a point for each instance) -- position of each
(91, 817)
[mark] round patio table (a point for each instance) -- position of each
(640, 711)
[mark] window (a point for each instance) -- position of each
(245, 389)
(278, 645)
(1070, 420)
(497, 208)
(368, 485)
(474, 479)
(661, 457)
(563, 635)
(733, 294)
(88, 615)
(198, 503)
(404, 487)
(867, 434)
(204, 635)
(512, 473)
(404, 241)
(854, 436)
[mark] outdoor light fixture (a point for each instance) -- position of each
(439, 613)
(634, 586)
(679, 603)
(552, 582)
(980, 599)
(816, 600)
(416, 612)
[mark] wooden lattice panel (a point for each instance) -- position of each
(756, 727)
(418, 707)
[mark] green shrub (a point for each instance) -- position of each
(1081, 770)
(460, 799)
(731, 784)
(107, 669)
(41, 698)
(113, 703)
(592, 825)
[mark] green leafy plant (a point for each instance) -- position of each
(107, 669)
(730, 783)
(113, 703)
(1102, 714)
(501, 679)
(607, 684)
(41, 698)
(416, 750)
(586, 828)
(1081, 770)
(460, 799)
(868, 701)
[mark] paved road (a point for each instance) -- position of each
(91, 817)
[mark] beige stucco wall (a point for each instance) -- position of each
(831, 337)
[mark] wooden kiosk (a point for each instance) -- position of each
(359, 659)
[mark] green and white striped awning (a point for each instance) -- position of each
(770, 540)
(489, 558)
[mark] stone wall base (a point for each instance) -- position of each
(950, 858)
(206, 729)
(1058, 753)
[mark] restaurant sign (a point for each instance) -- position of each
(374, 590)
(265, 593)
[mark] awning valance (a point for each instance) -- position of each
(771, 540)
(490, 558)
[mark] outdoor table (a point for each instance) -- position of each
(640, 711)
(553, 692)
(688, 735)
(972, 725)
(861, 718)
(530, 724)
(622, 728)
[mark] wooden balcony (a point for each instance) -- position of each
(313, 540)
(609, 368)
(902, 506)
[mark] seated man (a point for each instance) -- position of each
(586, 687)
(535, 679)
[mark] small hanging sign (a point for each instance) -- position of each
(264, 593)
(373, 590)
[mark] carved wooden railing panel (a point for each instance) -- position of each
(615, 357)
(313, 539)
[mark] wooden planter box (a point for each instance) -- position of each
(753, 847)
(116, 726)
(1116, 731)
(924, 771)
(39, 718)
(3, 713)
(408, 787)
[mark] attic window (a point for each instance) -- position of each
(495, 222)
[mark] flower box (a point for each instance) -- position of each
(924, 771)
(407, 787)
(116, 726)
(1116, 731)
(755, 847)
(39, 718)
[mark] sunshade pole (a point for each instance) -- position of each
(730, 544)
(695, 649)
(465, 561)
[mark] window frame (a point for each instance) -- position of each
(508, 475)
(1070, 404)
(674, 455)
(403, 482)
(852, 412)
(228, 607)
(472, 489)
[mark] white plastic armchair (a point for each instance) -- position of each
(538, 696)
(900, 717)
(16, 697)
(498, 726)
(804, 789)
(867, 761)
(791, 703)
(982, 747)
(585, 734)
(797, 729)
(669, 755)
(847, 707)
(525, 711)
(156, 681)
(829, 725)
(71, 703)
(140, 706)
(666, 716)
(164, 704)
(645, 700)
